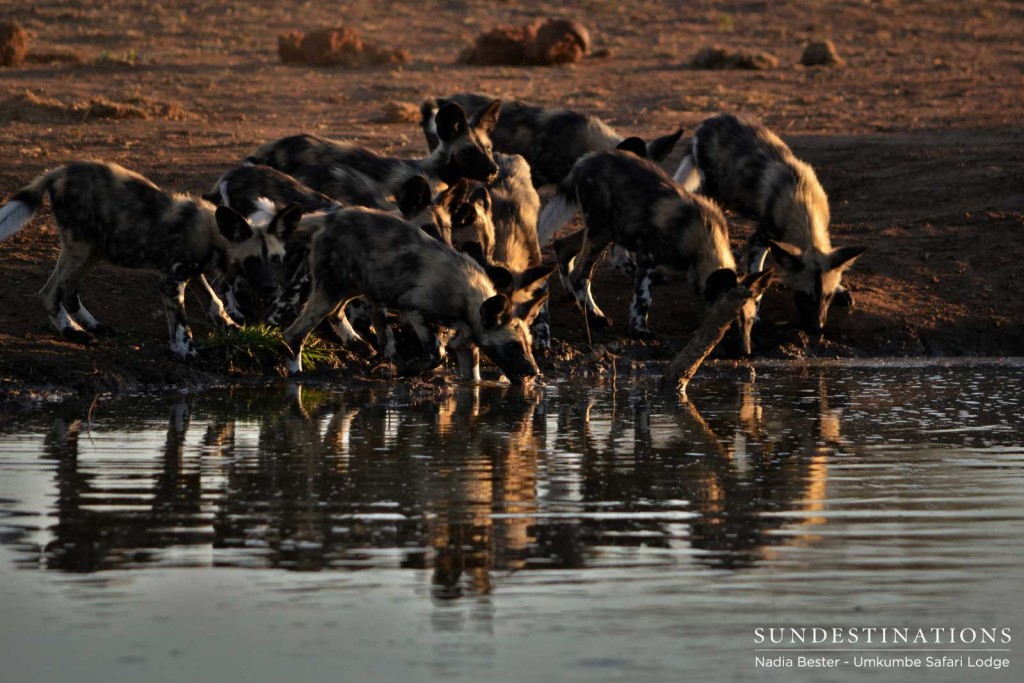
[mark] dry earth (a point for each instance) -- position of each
(917, 139)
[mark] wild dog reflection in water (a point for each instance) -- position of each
(469, 484)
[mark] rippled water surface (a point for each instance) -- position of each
(569, 532)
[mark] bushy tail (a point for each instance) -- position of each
(556, 213)
(427, 111)
(23, 205)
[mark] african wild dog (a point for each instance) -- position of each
(104, 211)
(744, 165)
(243, 186)
(551, 140)
(473, 226)
(464, 152)
(515, 207)
(362, 252)
(632, 202)
(567, 247)
(433, 215)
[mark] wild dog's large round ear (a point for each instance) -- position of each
(487, 118)
(788, 256)
(496, 311)
(284, 222)
(232, 224)
(844, 256)
(481, 197)
(659, 148)
(500, 277)
(455, 196)
(757, 283)
(427, 111)
(633, 145)
(529, 310)
(535, 277)
(718, 283)
(450, 121)
(413, 196)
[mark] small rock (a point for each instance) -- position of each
(13, 44)
(552, 41)
(821, 53)
(718, 57)
(557, 41)
(400, 112)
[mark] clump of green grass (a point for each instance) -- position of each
(252, 348)
(126, 58)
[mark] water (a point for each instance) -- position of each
(570, 532)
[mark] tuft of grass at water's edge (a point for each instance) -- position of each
(252, 348)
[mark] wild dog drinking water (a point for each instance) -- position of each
(551, 140)
(362, 252)
(105, 212)
(744, 165)
(464, 151)
(433, 215)
(632, 202)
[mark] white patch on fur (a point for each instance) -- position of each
(84, 318)
(432, 124)
(181, 344)
(224, 193)
(638, 322)
(557, 213)
(687, 174)
(13, 217)
(585, 297)
(293, 365)
(64, 322)
(344, 330)
(264, 213)
(231, 304)
(756, 261)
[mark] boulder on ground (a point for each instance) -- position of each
(557, 41)
(13, 44)
(821, 53)
(551, 41)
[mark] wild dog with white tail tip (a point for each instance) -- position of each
(551, 140)
(745, 166)
(464, 152)
(105, 212)
(632, 202)
(361, 252)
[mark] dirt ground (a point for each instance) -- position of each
(917, 139)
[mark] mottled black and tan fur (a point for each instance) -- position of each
(394, 264)
(515, 207)
(745, 166)
(242, 187)
(551, 140)
(464, 152)
(105, 212)
(633, 203)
